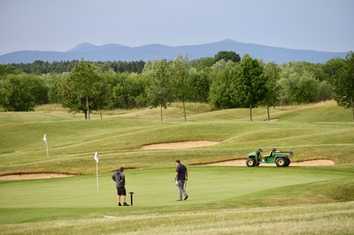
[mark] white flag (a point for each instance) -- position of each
(45, 139)
(96, 157)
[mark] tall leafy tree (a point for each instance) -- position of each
(333, 68)
(22, 92)
(129, 91)
(227, 55)
(344, 86)
(180, 73)
(160, 84)
(271, 74)
(225, 90)
(199, 85)
(84, 90)
(252, 82)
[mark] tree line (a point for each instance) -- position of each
(225, 81)
(44, 67)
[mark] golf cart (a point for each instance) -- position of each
(280, 158)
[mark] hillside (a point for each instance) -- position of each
(111, 52)
(313, 131)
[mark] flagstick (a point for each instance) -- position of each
(47, 150)
(97, 177)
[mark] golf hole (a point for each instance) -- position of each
(180, 145)
(34, 175)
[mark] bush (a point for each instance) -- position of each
(22, 92)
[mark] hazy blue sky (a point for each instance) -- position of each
(61, 24)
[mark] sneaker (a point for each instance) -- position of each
(119, 204)
(186, 197)
(125, 204)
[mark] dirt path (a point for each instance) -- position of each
(180, 145)
(242, 162)
(32, 176)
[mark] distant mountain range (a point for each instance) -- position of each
(111, 52)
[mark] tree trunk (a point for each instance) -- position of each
(251, 119)
(184, 110)
(85, 113)
(101, 114)
(161, 113)
(268, 114)
(87, 108)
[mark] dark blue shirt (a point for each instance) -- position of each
(181, 172)
(119, 178)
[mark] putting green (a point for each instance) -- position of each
(156, 187)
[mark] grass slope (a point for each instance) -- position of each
(119, 138)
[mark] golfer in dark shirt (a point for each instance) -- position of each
(181, 178)
(119, 178)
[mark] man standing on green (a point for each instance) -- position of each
(119, 178)
(181, 178)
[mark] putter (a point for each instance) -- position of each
(131, 198)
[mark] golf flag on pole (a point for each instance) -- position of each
(96, 158)
(45, 140)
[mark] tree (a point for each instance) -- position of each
(128, 91)
(199, 85)
(271, 75)
(333, 68)
(84, 90)
(299, 88)
(225, 90)
(344, 86)
(227, 55)
(180, 73)
(252, 82)
(22, 92)
(202, 63)
(160, 85)
(7, 69)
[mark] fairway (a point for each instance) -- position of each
(223, 194)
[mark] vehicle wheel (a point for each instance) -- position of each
(250, 162)
(280, 162)
(287, 161)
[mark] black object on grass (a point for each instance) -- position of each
(131, 198)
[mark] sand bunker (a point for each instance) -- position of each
(32, 176)
(242, 162)
(314, 163)
(181, 145)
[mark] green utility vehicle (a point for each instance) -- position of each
(280, 158)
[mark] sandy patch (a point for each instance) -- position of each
(242, 162)
(229, 163)
(180, 145)
(314, 163)
(32, 176)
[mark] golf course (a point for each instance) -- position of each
(225, 198)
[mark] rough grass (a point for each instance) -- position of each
(336, 218)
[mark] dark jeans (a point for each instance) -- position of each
(181, 189)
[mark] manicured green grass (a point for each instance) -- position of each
(274, 197)
(210, 188)
(156, 187)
